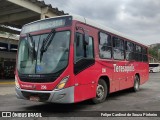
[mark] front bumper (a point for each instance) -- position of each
(61, 96)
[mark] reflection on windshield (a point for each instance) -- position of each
(53, 60)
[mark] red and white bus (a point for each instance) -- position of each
(69, 59)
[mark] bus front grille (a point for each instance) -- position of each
(40, 79)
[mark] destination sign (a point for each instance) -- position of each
(47, 24)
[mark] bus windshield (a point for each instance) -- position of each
(54, 58)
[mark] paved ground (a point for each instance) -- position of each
(147, 99)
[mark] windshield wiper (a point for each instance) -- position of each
(31, 46)
(46, 42)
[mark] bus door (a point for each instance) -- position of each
(85, 74)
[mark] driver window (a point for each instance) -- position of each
(79, 50)
(82, 49)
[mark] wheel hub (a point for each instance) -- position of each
(100, 91)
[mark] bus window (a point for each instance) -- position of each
(82, 49)
(138, 54)
(129, 50)
(89, 48)
(118, 48)
(144, 52)
(145, 58)
(138, 57)
(138, 49)
(105, 48)
(79, 51)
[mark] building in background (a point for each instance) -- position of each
(8, 49)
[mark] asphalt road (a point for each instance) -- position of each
(147, 99)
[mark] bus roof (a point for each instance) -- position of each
(94, 24)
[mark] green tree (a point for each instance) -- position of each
(153, 51)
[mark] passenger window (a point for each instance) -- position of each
(138, 49)
(144, 52)
(129, 46)
(138, 57)
(118, 48)
(145, 58)
(129, 50)
(82, 49)
(105, 46)
(138, 53)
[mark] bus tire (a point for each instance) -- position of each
(101, 92)
(136, 83)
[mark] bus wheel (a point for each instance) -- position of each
(151, 71)
(136, 83)
(101, 92)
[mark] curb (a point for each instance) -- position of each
(7, 83)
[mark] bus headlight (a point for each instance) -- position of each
(16, 82)
(62, 83)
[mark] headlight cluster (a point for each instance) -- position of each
(16, 83)
(62, 84)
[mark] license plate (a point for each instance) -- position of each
(33, 98)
